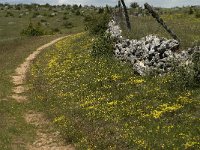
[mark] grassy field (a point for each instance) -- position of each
(51, 20)
(15, 133)
(99, 103)
(96, 103)
(185, 26)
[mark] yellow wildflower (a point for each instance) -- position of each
(136, 81)
(190, 144)
(184, 100)
(112, 103)
(164, 108)
(115, 77)
(59, 119)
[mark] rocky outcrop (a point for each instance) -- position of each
(149, 54)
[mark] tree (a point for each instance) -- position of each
(101, 10)
(75, 7)
(134, 5)
(191, 11)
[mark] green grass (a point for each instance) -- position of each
(14, 132)
(13, 53)
(185, 26)
(12, 26)
(95, 103)
(99, 103)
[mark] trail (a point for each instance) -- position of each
(46, 138)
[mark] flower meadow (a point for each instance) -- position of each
(100, 103)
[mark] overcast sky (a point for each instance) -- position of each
(160, 3)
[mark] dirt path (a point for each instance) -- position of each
(46, 138)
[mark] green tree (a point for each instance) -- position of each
(191, 11)
(134, 5)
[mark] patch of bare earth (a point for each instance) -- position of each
(46, 138)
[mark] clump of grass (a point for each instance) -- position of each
(102, 104)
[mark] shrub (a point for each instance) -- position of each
(32, 31)
(185, 77)
(191, 11)
(56, 30)
(97, 24)
(18, 7)
(87, 18)
(43, 20)
(35, 14)
(101, 10)
(66, 13)
(197, 15)
(196, 67)
(182, 78)
(78, 13)
(65, 17)
(9, 14)
(134, 5)
(75, 7)
(68, 24)
(102, 46)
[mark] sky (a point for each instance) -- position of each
(156, 3)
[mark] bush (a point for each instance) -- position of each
(191, 11)
(87, 18)
(43, 20)
(35, 14)
(68, 24)
(9, 14)
(197, 15)
(101, 10)
(32, 31)
(75, 7)
(78, 13)
(196, 67)
(186, 77)
(97, 24)
(182, 78)
(65, 17)
(56, 30)
(103, 46)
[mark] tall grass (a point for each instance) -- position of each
(14, 131)
(185, 26)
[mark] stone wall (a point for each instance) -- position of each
(151, 53)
